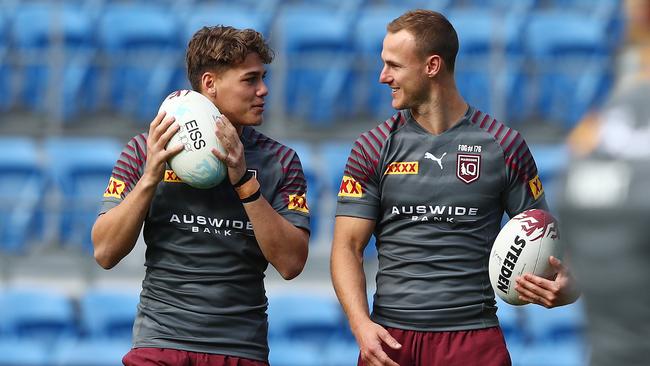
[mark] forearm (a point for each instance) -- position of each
(115, 233)
(349, 280)
(284, 245)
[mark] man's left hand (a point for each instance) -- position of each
(549, 293)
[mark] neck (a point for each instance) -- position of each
(442, 110)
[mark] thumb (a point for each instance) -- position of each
(389, 340)
(556, 263)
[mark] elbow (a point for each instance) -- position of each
(292, 271)
(294, 268)
(100, 252)
(102, 258)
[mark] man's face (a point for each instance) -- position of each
(404, 70)
(240, 91)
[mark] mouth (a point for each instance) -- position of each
(259, 107)
(394, 90)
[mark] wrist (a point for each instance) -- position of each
(244, 178)
(248, 188)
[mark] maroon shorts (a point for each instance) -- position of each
(485, 347)
(174, 357)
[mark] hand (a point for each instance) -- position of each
(549, 293)
(370, 337)
(161, 130)
(234, 149)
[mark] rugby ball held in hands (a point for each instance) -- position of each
(523, 245)
(196, 116)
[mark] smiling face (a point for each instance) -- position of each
(404, 70)
(239, 91)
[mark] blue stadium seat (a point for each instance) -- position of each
(561, 325)
(553, 355)
(437, 5)
(572, 61)
(142, 44)
(341, 353)
(80, 169)
(490, 44)
(5, 73)
(22, 352)
(37, 313)
(227, 13)
(308, 317)
(318, 62)
(521, 7)
(551, 160)
(294, 353)
(55, 43)
(307, 157)
(108, 313)
(371, 97)
(334, 156)
(511, 321)
(22, 189)
(89, 353)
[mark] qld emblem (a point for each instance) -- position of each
(468, 167)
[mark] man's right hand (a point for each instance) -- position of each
(161, 131)
(370, 337)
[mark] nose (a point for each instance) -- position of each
(263, 90)
(384, 77)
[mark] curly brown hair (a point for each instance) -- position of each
(433, 34)
(218, 47)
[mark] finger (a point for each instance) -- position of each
(542, 283)
(164, 126)
(221, 156)
(171, 130)
(532, 294)
(557, 264)
(159, 117)
(173, 151)
(389, 340)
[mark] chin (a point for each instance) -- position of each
(253, 121)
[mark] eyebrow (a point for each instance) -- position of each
(254, 73)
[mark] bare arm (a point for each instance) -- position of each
(346, 264)
(115, 233)
(284, 245)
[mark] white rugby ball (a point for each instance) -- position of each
(196, 116)
(523, 246)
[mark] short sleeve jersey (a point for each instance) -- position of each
(203, 289)
(437, 202)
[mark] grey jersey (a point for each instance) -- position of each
(438, 202)
(203, 290)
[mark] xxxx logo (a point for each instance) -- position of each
(398, 167)
(170, 176)
(536, 188)
(115, 188)
(350, 187)
(298, 203)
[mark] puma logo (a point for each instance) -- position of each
(428, 155)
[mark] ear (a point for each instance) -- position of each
(209, 84)
(433, 65)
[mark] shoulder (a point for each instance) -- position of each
(508, 139)
(376, 138)
(261, 143)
